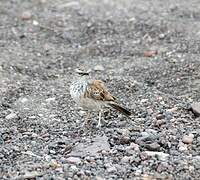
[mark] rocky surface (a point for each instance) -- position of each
(147, 53)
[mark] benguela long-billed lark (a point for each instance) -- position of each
(92, 95)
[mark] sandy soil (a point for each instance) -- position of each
(43, 41)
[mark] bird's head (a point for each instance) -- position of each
(82, 72)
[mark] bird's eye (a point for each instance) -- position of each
(96, 93)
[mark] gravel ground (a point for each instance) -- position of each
(147, 52)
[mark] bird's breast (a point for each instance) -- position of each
(77, 90)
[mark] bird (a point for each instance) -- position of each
(92, 95)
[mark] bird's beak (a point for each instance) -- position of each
(82, 72)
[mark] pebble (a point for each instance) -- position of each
(73, 160)
(23, 100)
(144, 100)
(125, 159)
(191, 168)
(104, 152)
(11, 116)
(196, 108)
(99, 178)
(82, 113)
(160, 122)
(172, 110)
(50, 99)
(144, 134)
(188, 139)
(130, 151)
(160, 116)
(134, 146)
(150, 53)
(35, 23)
(153, 146)
(32, 117)
(161, 156)
(52, 152)
(132, 19)
(124, 139)
(182, 147)
(54, 164)
(111, 169)
(47, 157)
(162, 167)
(26, 15)
(99, 68)
(74, 168)
(148, 135)
(143, 156)
(161, 36)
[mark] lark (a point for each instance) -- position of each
(92, 95)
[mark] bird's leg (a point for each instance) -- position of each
(87, 118)
(99, 121)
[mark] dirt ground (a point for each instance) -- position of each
(43, 41)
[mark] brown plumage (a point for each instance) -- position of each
(97, 91)
(94, 96)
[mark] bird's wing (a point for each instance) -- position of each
(97, 91)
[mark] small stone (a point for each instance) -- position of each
(132, 19)
(134, 146)
(130, 151)
(150, 53)
(153, 146)
(111, 169)
(198, 139)
(99, 178)
(160, 122)
(161, 36)
(174, 109)
(124, 140)
(35, 23)
(31, 175)
(47, 157)
(182, 147)
(144, 100)
(32, 117)
(150, 111)
(161, 156)
(82, 113)
(54, 164)
(90, 159)
(99, 68)
(23, 100)
(188, 139)
(148, 135)
(125, 159)
(73, 160)
(73, 168)
(34, 135)
(143, 156)
(11, 116)
(43, 1)
(52, 152)
(162, 167)
(104, 152)
(50, 99)
(196, 108)
(144, 134)
(160, 116)
(26, 15)
(191, 168)
(138, 172)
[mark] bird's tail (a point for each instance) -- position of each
(120, 109)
